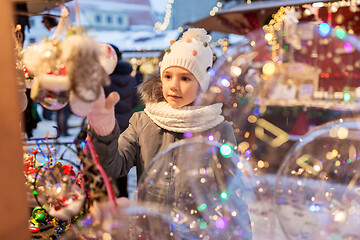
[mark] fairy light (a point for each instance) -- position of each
(215, 9)
(269, 68)
(160, 27)
(324, 29)
(318, 4)
(224, 195)
(340, 33)
(226, 150)
(274, 25)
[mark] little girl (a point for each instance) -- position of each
(169, 111)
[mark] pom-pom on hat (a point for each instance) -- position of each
(193, 53)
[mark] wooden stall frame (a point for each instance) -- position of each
(13, 202)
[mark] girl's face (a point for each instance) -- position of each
(179, 86)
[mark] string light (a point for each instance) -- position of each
(215, 9)
(160, 27)
(275, 23)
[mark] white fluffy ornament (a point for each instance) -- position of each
(41, 57)
(81, 57)
(198, 34)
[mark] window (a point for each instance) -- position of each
(98, 18)
(32, 40)
(109, 19)
(120, 20)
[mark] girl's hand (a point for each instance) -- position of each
(102, 115)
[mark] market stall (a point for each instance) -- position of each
(282, 81)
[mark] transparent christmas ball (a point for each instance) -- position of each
(58, 190)
(202, 179)
(108, 58)
(41, 57)
(259, 197)
(23, 101)
(316, 188)
(55, 100)
(133, 220)
(276, 86)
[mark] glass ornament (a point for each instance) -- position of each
(55, 100)
(273, 93)
(200, 178)
(108, 58)
(317, 187)
(133, 221)
(61, 194)
(41, 57)
(23, 100)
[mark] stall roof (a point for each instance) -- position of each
(242, 18)
(137, 43)
(38, 6)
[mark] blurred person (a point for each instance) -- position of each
(31, 116)
(126, 86)
(62, 117)
(47, 113)
(139, 76)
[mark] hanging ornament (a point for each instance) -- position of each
(42, 57)
(61, 193)
(77, 66)
(81, 56)
(51, 90)
(108, 58)
(23, 100)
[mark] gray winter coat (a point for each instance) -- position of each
(143, 139)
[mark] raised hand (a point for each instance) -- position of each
(102, 115)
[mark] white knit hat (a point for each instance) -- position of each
(193, 53)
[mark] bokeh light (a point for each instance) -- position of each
(324, 29)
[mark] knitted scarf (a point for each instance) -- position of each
(186, 119)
